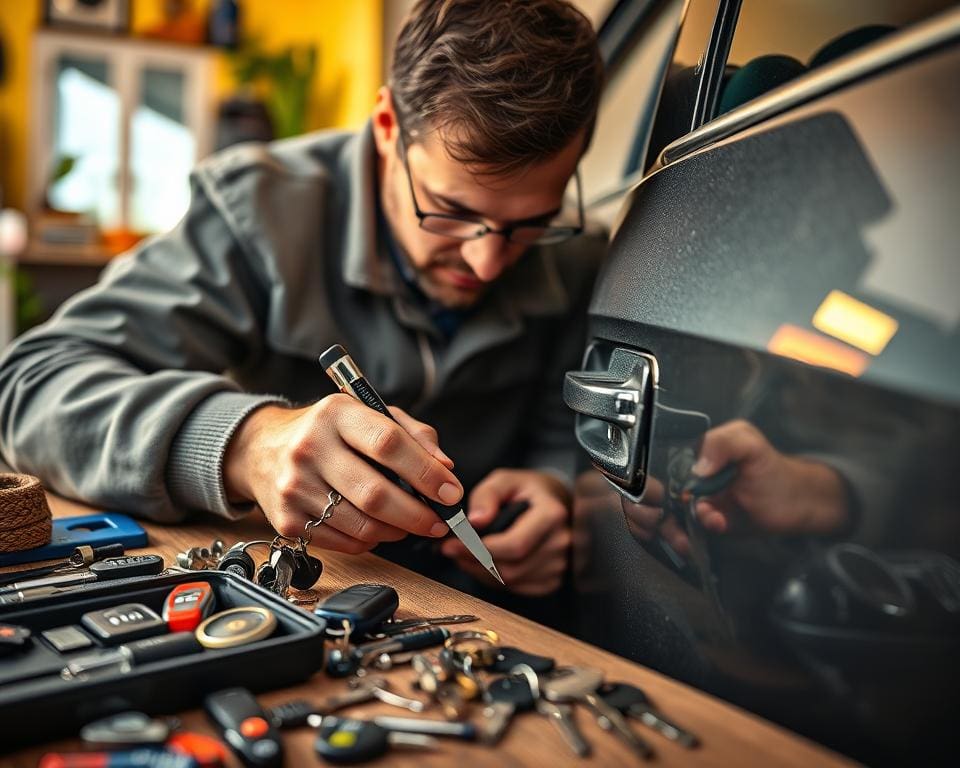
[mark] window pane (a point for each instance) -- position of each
(87, 130)
(779, 40)
(162, 152)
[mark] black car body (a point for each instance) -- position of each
(786, 274)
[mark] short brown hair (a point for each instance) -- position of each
(509, 82)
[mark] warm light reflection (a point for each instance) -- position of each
(814, 349)
(854, 322)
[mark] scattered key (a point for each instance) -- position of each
(505, 697)
(634, 702)
(508, 657)
(580, 684)
(345, 740)
(561, 715)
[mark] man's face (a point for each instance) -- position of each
(456, 272)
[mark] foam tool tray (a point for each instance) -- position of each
(38, 705)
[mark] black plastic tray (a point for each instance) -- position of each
(48, 707)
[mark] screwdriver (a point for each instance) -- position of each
(82, 556)
(348, 377)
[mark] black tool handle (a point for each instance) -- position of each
(506, 516)
(163, 647)
(363, 391)
(122, 567)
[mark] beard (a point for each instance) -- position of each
(448, 280)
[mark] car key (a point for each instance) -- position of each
(367, 689)
(365, 606)
(277, 573)
(634, 702)
(507, 657)
(344, 741)
(245, 727)
(307, 570)
(345, 661)
(122, 623)
(505, 696)
(561, 715)
(580, 684)
(187, 605)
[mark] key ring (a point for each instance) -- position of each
(333, 498)
(473, 647)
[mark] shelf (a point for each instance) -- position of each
(65, 255)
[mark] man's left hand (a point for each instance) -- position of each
(532, 554)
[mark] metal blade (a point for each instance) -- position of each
(465, 532)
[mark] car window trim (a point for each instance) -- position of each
(887, 52)
(714, 61)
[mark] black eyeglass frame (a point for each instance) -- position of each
(549, 234)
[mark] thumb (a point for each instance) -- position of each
(486, 498)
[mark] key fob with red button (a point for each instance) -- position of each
(187, 605)
(245, 727)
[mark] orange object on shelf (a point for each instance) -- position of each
(117, 241)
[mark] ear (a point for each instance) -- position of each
(385, 126)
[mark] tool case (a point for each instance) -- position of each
(37, 704)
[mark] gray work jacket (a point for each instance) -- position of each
(127, 397)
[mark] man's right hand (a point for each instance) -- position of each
(287, 460)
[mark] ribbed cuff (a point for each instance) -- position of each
(195, 465)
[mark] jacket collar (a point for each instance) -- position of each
(533, 287)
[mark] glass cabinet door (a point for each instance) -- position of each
(86, 139)
(163, 149)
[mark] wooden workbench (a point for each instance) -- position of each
(729, 735)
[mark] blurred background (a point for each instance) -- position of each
(106, 105)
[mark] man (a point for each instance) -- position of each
(427, 244)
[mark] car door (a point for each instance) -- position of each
(782, 292)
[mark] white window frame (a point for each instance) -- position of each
(126, 59)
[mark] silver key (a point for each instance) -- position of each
(580, 684)
(368, 689)
(561, 715)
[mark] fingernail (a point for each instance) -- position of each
(449, 493)
(474, 514)
(702, 467)
(438, 529)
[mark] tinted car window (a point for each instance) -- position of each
(778, 40)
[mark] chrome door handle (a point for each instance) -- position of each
(614, 411)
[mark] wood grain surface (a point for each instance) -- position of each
(729, 735)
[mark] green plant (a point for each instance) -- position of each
(285, 79)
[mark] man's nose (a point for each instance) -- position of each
(487, 256)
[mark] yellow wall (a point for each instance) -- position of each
(347, 34)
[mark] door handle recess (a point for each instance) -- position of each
(614, 409)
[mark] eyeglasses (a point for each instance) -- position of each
(472, 228)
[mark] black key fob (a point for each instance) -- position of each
(508, 657)
(245, 727)
(365, 606)
(343, 740)
(306, 571)
(236, 560)
(123, 623)
(506, 516)
(125, 567)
